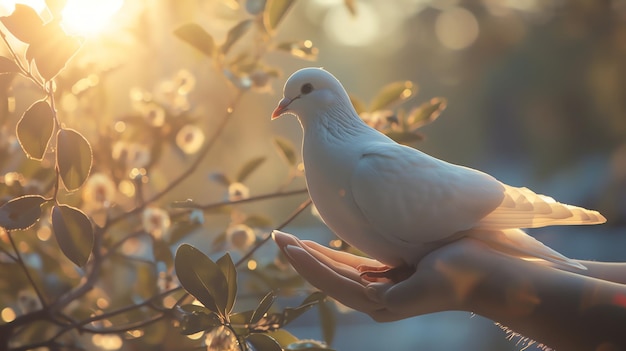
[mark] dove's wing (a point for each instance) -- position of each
(402, 192)
(522, 208)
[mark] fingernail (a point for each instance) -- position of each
(279, 237)
(274, 233)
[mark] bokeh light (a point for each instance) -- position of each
(456, 28)
(108, 341)
(351, 30)
(44, 233)
(190, 139)
(7, 314)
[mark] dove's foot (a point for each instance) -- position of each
(376, 274)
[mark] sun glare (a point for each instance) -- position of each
(89, 17)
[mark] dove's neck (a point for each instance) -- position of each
(336, 123)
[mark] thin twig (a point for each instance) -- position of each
(6, 252)
(127, 327)
(80, 326)
(128, 308)
(189, 171)
(295, 214)
(250, 199)
(20, 261)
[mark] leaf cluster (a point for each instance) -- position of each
(214, 285)
(48, 45)
(398, 123)
(96, 232)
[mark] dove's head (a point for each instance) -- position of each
(309, 93)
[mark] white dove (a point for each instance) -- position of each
(395, 203)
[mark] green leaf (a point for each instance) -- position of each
(21, 213)
(275, 11)
(426, 113)
(235, 33)
(263, 307)
(197, 37)
(24, 23)
(329, 322)
(197, 319)
(285, 150)
(241, 318)
(405, 137)
(314, 298)
(263, 342)
(289, 314)
(358, 104)
(74, 158)
(393, 93)
(202, 278)
(228, 269)
(282, 337)
(52, 50)
(8, 66)
(249, 167)
(74, 233)
(34, 129)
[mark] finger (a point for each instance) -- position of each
(408, 298)
(323, 254)
(339, 267)
(283, 239)
(341, 288)
(342, 256)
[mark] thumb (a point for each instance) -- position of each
(377, 291)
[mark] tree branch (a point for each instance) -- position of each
(289, 219)
(20, 261)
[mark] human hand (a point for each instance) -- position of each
(438, 283)
(572, 310)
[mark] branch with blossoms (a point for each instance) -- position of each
(116, 272)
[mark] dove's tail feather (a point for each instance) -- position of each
(517, 243)
(522, 208)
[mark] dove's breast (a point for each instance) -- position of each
(328, 170)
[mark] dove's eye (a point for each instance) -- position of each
(306, 88)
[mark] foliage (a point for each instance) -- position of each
(112, 274)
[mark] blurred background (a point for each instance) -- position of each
(536, 93)
(536, 96)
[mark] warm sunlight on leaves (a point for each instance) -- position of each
(143, 187)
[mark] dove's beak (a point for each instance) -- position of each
(281, 108)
